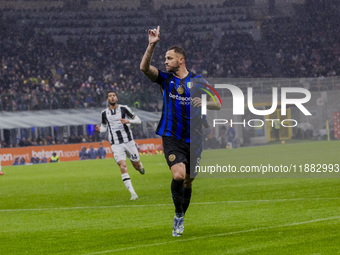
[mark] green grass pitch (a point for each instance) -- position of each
(83, 207)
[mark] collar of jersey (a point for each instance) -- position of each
(176, 78)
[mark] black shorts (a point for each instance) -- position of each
(177, 151)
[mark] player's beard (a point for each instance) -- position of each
(112, 104)
(172, 69)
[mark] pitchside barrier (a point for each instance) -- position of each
(70, 152)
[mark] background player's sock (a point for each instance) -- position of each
(177, 193)
(186, 199)
(127, 182)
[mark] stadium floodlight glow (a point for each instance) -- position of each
(238, 100)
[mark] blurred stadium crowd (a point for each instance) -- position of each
(68, 60)
(39, 72)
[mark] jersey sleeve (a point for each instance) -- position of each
(161, 77)
(200, 86)
(129, 112)
(103, 125)
(203, 84)
(104, 119)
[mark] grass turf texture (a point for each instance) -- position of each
(84, 208)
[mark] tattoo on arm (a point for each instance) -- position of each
(145, 66)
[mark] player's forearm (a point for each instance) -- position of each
(136, 120)
(145, 65)
(146, 60)
(101, 128)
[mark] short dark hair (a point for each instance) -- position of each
(111, 91)
(179, 50)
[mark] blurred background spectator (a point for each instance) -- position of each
(68, 62)
(83, 153)
(62, 57)
(92, 153)
(101, 152)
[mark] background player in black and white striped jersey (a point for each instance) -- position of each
(116, 120)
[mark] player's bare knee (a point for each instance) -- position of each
(178, 176)
(178, 171)
(122, 166)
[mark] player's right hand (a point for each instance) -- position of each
(124, 121)
(197, 102)
(97, 128)
(154, 35)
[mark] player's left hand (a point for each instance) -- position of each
(125, 121)
(197, 102)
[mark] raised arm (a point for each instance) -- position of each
(145, 65)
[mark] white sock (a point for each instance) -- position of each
(127, 182)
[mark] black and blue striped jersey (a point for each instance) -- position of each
(179, 118)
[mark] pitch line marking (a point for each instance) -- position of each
(216, 235)
(149, 205)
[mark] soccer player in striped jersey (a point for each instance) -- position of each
(116, 120)
(181, 123)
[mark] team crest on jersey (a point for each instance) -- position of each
(172, 157)
(180, 89)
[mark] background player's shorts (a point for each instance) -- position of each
(120, 151)
(177, 151)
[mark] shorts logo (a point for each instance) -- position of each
(172, 157)
(180, 89)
